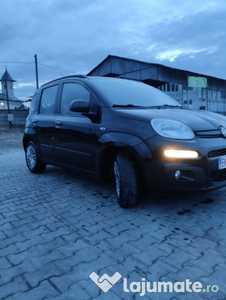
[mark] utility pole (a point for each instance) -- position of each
(36, 70)
(7, 101)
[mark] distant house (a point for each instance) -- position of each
(7, 88)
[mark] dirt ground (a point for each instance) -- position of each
(11, 138)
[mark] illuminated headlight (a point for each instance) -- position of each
(172, 129)
(181, 153)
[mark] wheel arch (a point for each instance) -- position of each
(108, 157)
(132, 145)
(26, 140)
(29, 134)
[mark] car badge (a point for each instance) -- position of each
(223, 131)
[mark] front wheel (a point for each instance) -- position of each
(125, 180)
(34, 164)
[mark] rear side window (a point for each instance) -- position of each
(34, 103)
(48, 99)
(72, 91)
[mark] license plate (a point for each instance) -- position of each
(222, 162)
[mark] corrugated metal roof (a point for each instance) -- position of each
(150, 73)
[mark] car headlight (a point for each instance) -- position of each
(172, 129)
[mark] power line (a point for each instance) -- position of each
(36, 67)
(55, 68)
(21, 62)
(15, 62)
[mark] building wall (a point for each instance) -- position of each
(12, 104)
(196, 98)
(10, 88)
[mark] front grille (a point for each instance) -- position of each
(218, 175)
(216, 133)
(216, 153)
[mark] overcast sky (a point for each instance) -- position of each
(76, 35)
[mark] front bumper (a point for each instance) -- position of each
(195, 174)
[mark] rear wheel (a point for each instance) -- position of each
(125, 180)
(34, 164)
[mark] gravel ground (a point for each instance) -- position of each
(11, 138)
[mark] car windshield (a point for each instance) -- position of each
(128, 93)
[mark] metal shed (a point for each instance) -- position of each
(208, 93)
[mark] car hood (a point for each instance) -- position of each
(197, 120)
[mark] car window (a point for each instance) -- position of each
(72, 91)
(34, 103)
(48, 98)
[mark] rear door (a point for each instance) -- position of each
(44, 122)
(76, 134)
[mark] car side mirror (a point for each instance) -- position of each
(80, 105)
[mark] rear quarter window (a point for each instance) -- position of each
(34, 103)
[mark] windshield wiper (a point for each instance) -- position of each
(166, 106)
(171, 106)
(154, 106)
(125, 105)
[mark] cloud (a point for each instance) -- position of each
(27, 84)
(194, 42)
(75, 36)
(171, 55)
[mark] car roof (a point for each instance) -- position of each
(65, 77)
(80, 76)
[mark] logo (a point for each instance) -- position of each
(145, 287)
(223, 131)
(105, 282)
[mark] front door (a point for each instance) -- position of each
(75, 138)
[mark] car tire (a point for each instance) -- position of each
(125, 180)
(34, 163)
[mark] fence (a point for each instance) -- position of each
(18, 117)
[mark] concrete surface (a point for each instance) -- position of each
(57, 228)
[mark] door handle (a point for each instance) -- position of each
(58, 123)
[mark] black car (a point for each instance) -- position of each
(128, 129)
